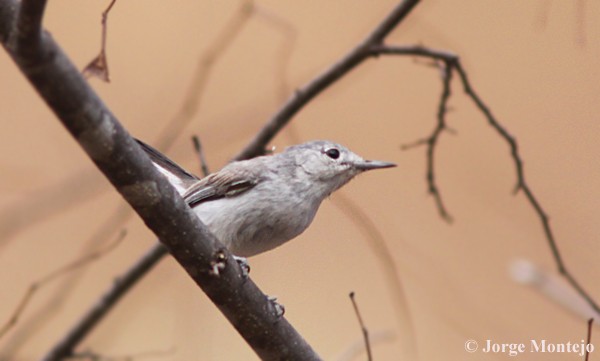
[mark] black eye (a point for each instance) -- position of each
(333, 153)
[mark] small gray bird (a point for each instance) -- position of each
(255, 205)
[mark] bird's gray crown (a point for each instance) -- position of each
(329, 162)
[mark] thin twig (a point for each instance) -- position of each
(121, 285)
(364, 330)
(447, 64)
(200, 153)
(286, 47)
(98, 67)
(340, 68)
(47, 201)
(454, 63)
(432, 140)
(589, 338)
(524, 186)
(379, 247)
(200, 78)
(357, 347)
(37, 285)
(29, 327)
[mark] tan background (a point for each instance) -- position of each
(534, 62)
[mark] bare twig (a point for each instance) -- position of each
(589, 339)
(47, 201)
(98, 67)
(195, 93)
(303, 95)
(29, 327)
(37, 285)
(524, 186)
(357, 347)
(286, 47)
(432, 140)
(379, 247)
(364, 330)
(121, 285)
(200, 153)
(446, 64)
(453, 63)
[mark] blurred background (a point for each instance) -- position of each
(535, 63)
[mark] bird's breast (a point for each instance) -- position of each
(249, 225)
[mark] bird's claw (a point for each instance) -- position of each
(243, 263)
(279, 309)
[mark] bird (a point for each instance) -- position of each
(253, 206)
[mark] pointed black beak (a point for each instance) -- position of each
(373, 164)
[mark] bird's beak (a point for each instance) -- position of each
(373, 164)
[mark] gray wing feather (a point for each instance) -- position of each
(234, 179)
(228, 182)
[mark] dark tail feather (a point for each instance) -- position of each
(165, 163)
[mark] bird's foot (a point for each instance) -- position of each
(243, 263)
(279, 309)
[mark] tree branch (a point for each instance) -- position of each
(38, 284)
(106, 303)
(432, 140)
(589, 338)
(29, 23)
(453, 63)
(305, 94)
(377, 243)
(131, 172)
(363, 328)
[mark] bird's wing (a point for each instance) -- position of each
(177, 176)
(228, 182)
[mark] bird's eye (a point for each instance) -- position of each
(333, 153)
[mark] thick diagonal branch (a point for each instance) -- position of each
(130, 171)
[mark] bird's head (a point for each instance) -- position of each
(331, 165)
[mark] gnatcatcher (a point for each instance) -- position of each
(255, 205)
